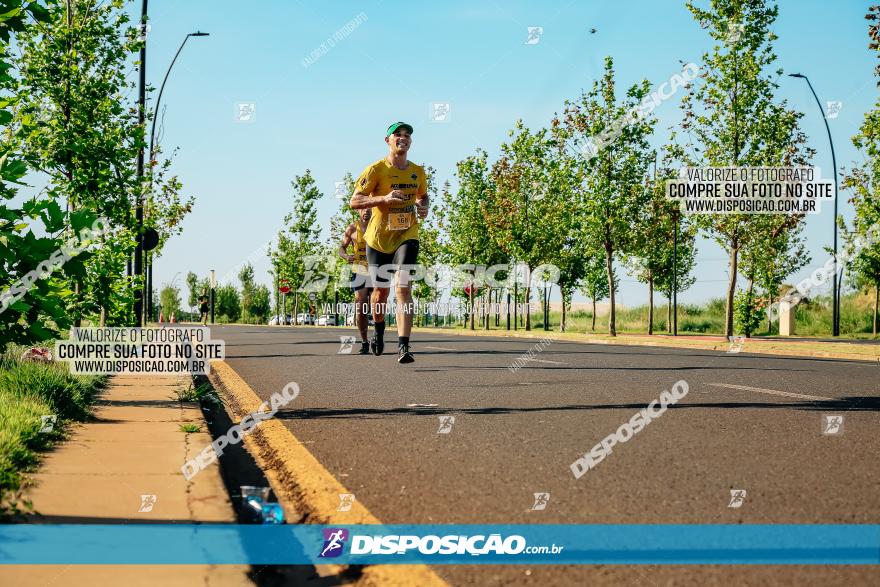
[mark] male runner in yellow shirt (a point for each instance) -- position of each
(354, 237)
(397, 191)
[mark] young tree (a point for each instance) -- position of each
(663, 251)
(248, 289)
(192, 284)
(461, 219)
(864, 181)
(169, 298)
(257, 310)
(613, 192)
(594, 283)
(295, 255)
(430, 251)
(228, 303)
(525, 212)
(734, 119)
(774, 251)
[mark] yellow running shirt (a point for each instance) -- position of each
(360, 250)
(387, 230)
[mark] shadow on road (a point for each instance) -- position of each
(855, 403)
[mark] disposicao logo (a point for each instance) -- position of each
(334, 541)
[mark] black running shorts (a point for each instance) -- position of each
(383, 264)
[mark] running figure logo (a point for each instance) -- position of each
(832, 424)
(446, 423)
(440, 111)
(334, 540)
(737, 498)
(346, 500)
(534, 33)
(736, 343)
(541, 500)
(147, 503)
(346, 343)
(340, 191)
(245, 112)
(833, 108)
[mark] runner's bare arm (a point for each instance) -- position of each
(422, 206)
(359, 200)
(346, 241)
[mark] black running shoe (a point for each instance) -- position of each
(377, 345)
(403, 354)
(365, 348)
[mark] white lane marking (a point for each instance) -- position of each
(772, 391)
(421, 405)
(437, 348)
(545, 361)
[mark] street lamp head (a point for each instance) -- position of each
(796, 75)
(199, 34)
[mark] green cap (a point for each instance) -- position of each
(397, 125)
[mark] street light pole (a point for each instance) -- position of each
(139, 202)
(153, 154)
(213, 289)
(835, 300)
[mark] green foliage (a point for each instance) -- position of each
(27, 392)
(203, 392)
(747, 315)
(192, 284)
(227, 303)
(40, 312)
(863, 238)
(169, 300)
(256, 311)
(732, 118)
(611, 191)
(299, 245)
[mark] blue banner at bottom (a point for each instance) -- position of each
(176, 544)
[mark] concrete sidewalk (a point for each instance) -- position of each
(124, 468)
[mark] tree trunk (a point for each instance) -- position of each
(876, 299)
(295, 310)
(650, 303)
(593, 325)
(748, 325)
(731, 287)
(488, 308)
(527, 305)
(562, 324)
(769, 318)
(471, 304)
(609, 268)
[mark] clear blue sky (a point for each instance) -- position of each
(330, 117)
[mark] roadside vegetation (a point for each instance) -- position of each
(30, 391)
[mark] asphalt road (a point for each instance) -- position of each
(750, 422)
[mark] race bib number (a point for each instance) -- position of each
(399, 220)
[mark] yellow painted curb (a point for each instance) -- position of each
(301, 482)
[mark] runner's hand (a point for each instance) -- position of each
(422, 211)
(394, 197)
(349, 258)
